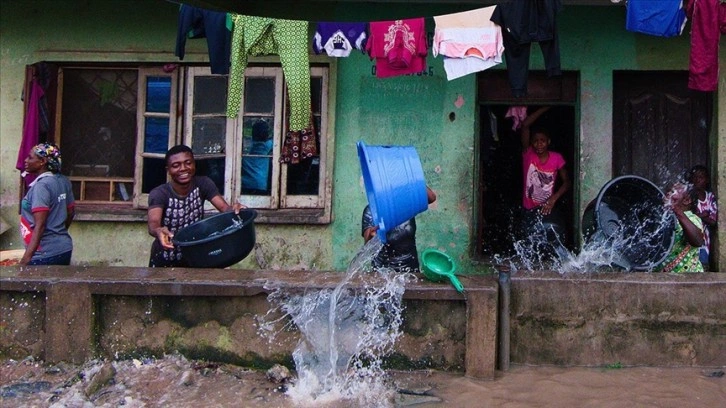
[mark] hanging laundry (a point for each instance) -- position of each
(41, 82)
(518, 115)
(298, 145)
(263, 36)
(339, 39)
(708, 22)
(31, 125)
(662, 18)
(524, 22)
(399, 47)
(216, 26)
(469, 42)
(47, 76)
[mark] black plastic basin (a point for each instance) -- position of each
(629, 209)
(218, 241)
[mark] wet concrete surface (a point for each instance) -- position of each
(176, 382)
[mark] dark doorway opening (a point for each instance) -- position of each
(500, 181)
(660, 127)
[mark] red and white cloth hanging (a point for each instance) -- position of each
(399, 47)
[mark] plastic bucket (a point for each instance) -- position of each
(218, 241)
(437, 266)
(629, 210)
(394, 183)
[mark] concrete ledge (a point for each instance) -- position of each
(595, 319)
(86, 309)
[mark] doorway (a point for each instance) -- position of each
(660, 127)
(500, 180)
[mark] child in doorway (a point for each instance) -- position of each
(541, 169)
(704, 206)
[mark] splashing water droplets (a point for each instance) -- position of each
(345, 333)
(634, 239)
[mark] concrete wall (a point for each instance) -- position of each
(403, 110)
(631, 319)
(227, 315)
(221, 329)
(589, 320)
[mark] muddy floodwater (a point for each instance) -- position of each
(177, 382)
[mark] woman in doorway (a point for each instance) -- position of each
(46, 211)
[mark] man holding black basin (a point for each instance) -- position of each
(399, 251)
(179, 203)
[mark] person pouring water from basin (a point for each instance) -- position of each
(399, 252)
(684, 255)
(179, 203)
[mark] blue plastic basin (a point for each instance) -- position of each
(394, 183)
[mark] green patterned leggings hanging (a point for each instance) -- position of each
(264, 36)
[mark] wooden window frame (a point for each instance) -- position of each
(141, 199)
(279, 208)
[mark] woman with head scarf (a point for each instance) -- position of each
(684, 256)
(46, 211)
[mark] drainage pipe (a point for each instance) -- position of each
(505, 284)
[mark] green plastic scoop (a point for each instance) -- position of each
(436, 266)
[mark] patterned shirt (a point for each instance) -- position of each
(539, 178)
(709, 206)
(683, 257)
(178, 212)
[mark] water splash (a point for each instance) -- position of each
(636, 241)
(345, 334)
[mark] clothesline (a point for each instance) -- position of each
(351, 10)
(399, 47)
(469, 42)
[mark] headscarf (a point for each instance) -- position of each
(52, 153)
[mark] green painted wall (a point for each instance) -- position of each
(595, 43)
(412, 110)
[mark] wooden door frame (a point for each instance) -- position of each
(493, 89)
